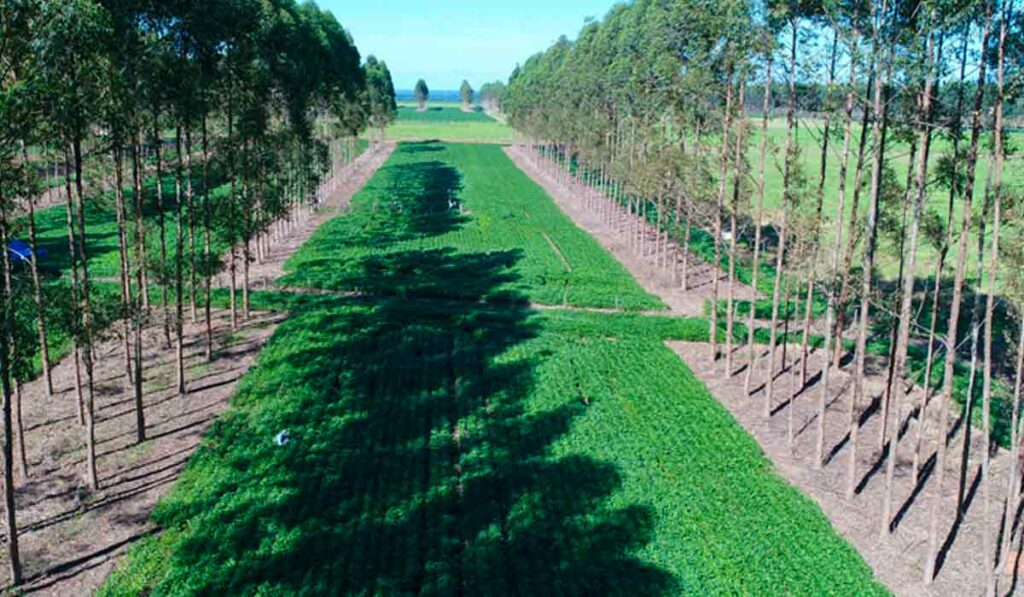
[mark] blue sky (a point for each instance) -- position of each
(450, 40)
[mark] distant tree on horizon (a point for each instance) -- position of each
(466, 93)
(422, 93)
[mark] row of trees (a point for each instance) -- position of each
(217, 122)
(666, 107)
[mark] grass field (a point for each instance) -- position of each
(475, 446)
(809, 139)
(432, 202)
(447, 122)
(441, 113)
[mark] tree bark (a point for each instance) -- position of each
(717, 224)
(954, 312)
(6, 342)
(86, 309)
(993, 269)
(37, 287)
(878, 131)
(830, 310)
(780, 256)
(940, 266)
(909, 277)
(76, 331)
(179, 258)
(758, 223)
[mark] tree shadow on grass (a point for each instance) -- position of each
(413, 466)
(417, 459)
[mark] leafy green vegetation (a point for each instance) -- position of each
(486, 448)
(441, 113)
(433, 201)
(442, 437)
(447, 122)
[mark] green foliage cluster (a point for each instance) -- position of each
(432, 201)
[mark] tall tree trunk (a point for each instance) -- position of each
(977, 312)
(780, 257)
(122, 243)
(162, 224)
(140, 228)
(37, 287)
(190, 200)
(993, 268)
(846, 270)
(179, 258)
(86, 310)
(954, 184)
(207, 254)
(141, 302)
(954, 312)
(6, 342)
(75, 301)
(816, 227)
(719, 204)
(733, 209)
(232, 226)
(878, 132)
(924, 127)
(830, 310)
(758, 223)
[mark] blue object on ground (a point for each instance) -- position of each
(21, 252)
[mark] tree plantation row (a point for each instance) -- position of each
(210, 129)
(903, 108)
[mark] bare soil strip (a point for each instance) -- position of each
(898, 559)
(352, 178)
(71, 537)
(660, 281)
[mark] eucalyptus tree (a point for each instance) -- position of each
(422, 94)
(466, 94)
(72, 65)
(492, 95)
(18, 89)
(926, 54)
(954, 313)
(790, 14)
(380, 91)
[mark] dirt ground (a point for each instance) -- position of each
(71, 537)
(663, 282)
(337, 193)
(898, 559)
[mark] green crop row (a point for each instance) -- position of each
(465, 207)
(443, 113)
(486, 449)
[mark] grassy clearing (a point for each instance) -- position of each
(441, 113)
(447, 122)
(432, 202)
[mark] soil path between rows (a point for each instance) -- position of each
(897, 560)
(71, 536)
(659, 281)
